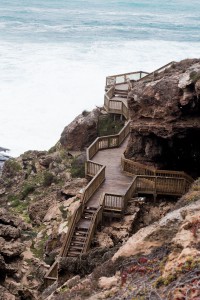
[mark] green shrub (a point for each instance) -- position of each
(27, 189)
(77, 168)
(49, 178)
(39, 251)
(108, 126)
(14, 200)
(12, 167)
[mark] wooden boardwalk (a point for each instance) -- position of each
(115, 179)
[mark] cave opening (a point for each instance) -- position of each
(181, 152)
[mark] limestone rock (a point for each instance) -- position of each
(38, 209)
(80, 132)
(9, 219)
(159, 233)
(74, 186)
(165, 109)
(8, 231)
(104, 240)
(5, 295)
(11, 249)
(108, 282)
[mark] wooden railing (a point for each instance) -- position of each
(52, 273)
(132, 190)
(161, 185)
(75, 218)
(97, 218)
(92, 168)
(93, 185)
(166, 181)
(106, 142)
(122, 78)
(114, 202)
(115, 106)
(158, 70)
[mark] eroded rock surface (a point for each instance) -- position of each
(165, 110)
(81, 132)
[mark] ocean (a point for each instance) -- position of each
(55, 55)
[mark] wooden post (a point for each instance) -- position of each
(155, 190)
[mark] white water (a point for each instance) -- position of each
(44, 86)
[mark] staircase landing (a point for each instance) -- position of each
(116, 182)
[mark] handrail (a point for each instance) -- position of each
(106, 142)
(75, 218)
(112, 79)
(67, 240)
(93, 185)
(158, 70)
(131, 190)
(114, 201)
(94, 223)
(135, 168)
(92, 168)
(116, 106)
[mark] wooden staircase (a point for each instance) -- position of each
(79, 237)
(103, 196)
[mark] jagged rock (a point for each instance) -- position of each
(2, 191)
(72, 282)
(108, 282)
(158, 233)
(197, 88)
(118, 231)
(86, 262)
(2, 269)
(7, 218)
(9, 231)
(74, 186)
(13, 249)
(5, 295)
(80, 132)
(38, 209)
(26, 294)
(104, 240)
(165, 111)
(46, 161)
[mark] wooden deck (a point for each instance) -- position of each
(115, 179)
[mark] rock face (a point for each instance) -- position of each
(11, 249)
(80, 132)
(165, 111)
(38, 196)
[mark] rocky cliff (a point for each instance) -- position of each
(165, 113)
(80, 133)
(39, 192)
(151, 253)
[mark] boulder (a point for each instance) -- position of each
(81, 131)
(167, 230)
(165, 109)
(108, 282)
(73, 186)
(10, 232)
(11, 250)
(5, 295)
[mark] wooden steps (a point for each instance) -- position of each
(110, 197)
